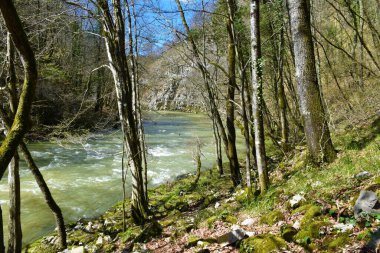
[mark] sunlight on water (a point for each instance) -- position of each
(85, 177)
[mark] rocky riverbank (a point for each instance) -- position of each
(307, 209)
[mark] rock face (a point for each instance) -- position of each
(170, 82)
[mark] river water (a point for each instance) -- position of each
(84, 175)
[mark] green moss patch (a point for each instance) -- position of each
(272, 218)
(263, 244)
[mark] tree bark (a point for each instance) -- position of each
(230, 104)
(14, 224)
(257, 96)
(22, 122)
(314, 118)
(115, 43)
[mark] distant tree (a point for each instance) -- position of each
(311, 107)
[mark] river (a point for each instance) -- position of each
(84, 175)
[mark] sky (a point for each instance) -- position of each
(157, 18)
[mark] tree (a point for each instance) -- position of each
(21, 122)
(312, 111)
(257, 97)
(114, 32)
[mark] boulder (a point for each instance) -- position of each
(366, 202)
(363, 175)
(231, 237)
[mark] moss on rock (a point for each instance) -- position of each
(339, 242)
(288, 232)
(263, 244)
(310, 230)
(272, 218)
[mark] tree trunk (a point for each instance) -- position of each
(14, 224)
(218, 147)
(314, 118)
(21, 123)
(2, 246)
(47, 195)
(257, 97)
(230, 104)
(115, 44)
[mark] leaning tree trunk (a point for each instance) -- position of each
(14, 224)
(21, 122)
(257, 97)
(311, 107)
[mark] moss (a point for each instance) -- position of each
(230, 219)
(312, 212)
(78, 236)
(365, 235)
(211, 220)
(262, 244)
(288, 232)
(192, 241)
(130, 234)
(310, 230)
(338, 242)
(272, 218)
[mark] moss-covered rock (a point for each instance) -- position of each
(263, 244)
(288, 232)
(272, 217)
(192, 241)
(339, 242)
(310, 231)
(312, 212)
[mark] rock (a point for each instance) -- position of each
(248, 222)
(343, 227)
(89, 226)
(367, 202)
(192, 241)
(363, 175)
(249, 234)
(217, 205)
(263, 244)
(231, 237)
(79, 249)
(296, 200)
(99, 240)
(288, 232)
(297, 225)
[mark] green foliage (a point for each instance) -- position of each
(53, 72)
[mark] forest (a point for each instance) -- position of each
(189, 126)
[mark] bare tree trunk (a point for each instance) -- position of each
(47, 195)
(218, 147)
(211, 96)
(2, 246)
(315, 123)
(230, 104)
(21, 122)
(257, 97)
(14, 224)
(115, 44)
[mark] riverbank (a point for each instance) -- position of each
(307, 208)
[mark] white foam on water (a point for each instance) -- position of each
(160, 151)
(40, 154)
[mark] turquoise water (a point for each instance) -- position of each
(84, 175)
